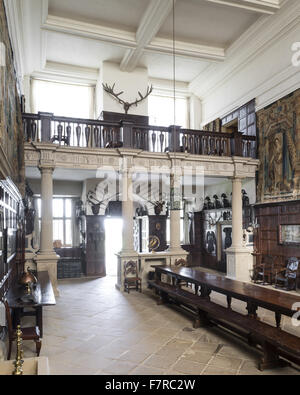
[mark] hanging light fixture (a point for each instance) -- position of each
(175, 198)
(174, 65)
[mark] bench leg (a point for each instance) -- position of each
(163, 298)
(201, 320)
(270, 358)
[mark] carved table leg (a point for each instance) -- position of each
(229, 299)
(252, 310)
(205, 291)
(39, 319)
(278, 319)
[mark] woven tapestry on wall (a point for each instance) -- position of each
(279, 150)
(11, 136)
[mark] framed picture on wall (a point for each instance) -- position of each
(289, 234)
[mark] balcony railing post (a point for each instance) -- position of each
(45, 118)
(237, 144)
(174, 138)
(127, 134)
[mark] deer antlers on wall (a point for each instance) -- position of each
(125, 104)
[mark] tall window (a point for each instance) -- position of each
(62, 99)
(62, 220)
(161, 111)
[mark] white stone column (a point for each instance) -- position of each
(175, 243)
(127, 212)
(239, 258)
(47, 258)
(127, 253)
(175, 202)
(237, 213)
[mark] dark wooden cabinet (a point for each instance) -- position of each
(95, 246)
(12, 234)
(150, 229)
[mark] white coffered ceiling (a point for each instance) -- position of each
(74, 36)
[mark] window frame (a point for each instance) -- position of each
(64, 218)
(92, 99)
(170, 96)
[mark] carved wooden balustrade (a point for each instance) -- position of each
(76, 132)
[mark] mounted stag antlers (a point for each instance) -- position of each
(125, 104)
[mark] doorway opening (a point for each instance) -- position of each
(113, 243)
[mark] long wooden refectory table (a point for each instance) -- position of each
(281, 303)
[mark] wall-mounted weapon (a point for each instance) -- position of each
(126, 105)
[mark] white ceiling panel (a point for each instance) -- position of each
(63, 48)
(161, 66)
(202, 22)
(113, 13)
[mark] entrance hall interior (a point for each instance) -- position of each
(149, 187)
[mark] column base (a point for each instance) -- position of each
(47, 261)
(124, 256)
(239, 263)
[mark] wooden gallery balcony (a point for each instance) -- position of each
(97, 134)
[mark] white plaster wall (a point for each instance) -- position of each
(130, 83)
(195, 109)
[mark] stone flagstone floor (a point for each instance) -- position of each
(95, 329)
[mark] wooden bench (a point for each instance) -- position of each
(274, 341)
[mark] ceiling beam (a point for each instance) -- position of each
(260, 6)
(90, 31)
(186, 49)
(125, 39)
(152, 20)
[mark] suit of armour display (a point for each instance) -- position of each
(211, 241)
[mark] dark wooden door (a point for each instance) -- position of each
(95, 245)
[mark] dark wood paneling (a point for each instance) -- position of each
(269, 217)
(117, 117)
(95, 246)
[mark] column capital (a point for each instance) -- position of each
(237, 178)
(46, 168)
